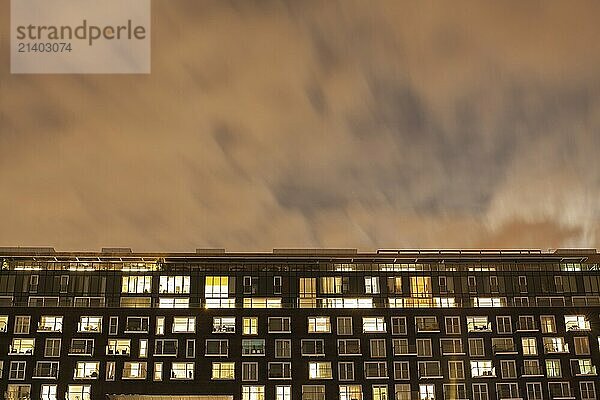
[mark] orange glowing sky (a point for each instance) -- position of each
(316, 124)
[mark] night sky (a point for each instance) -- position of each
(368, 124)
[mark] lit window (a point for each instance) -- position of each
(86, 370)
(184, 325)
(372, 285)
(420, 286)
(529, 345)
(134, 370)
(380, 392)
(553, 369)
(577, 323)
(427, 392)
(143, 348)
(478, 324)
(182, 370)
(22, 347)
(262, 302)
(79, 392)
(351, 392)
(253, 393)
(223, 370)
(173, 302)
(160, 325)
(90, 324)
(250, 326)
(223, 325)
(555, 345)
(319, 370)
(174, 284)
(374, 325)
(489, 302)
(331, 284)
(110, 370)
(483, 368)
(136, 284)
(19, 392)
(48, 392)
(3, 323)
(216, 287)
(319, 325)
(118, 347)
(283, 392)
(158, 371)
(50, 324)
(548, 324)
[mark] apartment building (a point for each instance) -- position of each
(292, 324)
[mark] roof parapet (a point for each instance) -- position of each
(317, 252)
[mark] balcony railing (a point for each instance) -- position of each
(81, 351)
(117, 350)
(504, 348)
(556, 348)
(429, 327)
(532, 371)
(47, 373)
(479, 327)
(20, 351)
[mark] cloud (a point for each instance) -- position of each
(321, 123)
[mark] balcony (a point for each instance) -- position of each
(81, 351)
(20, 351)
(505, 348)
(531, 371)
(527, 327)
(85, 374)
(117, 350)
(554, 348)
(428, 327)
(484, 373)
(89, 328)
(402, 350)
(50, 328)
(45, 372)
(479, 327)
(577, 326)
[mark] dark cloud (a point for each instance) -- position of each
(318, 123)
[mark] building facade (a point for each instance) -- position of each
(299, 325)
